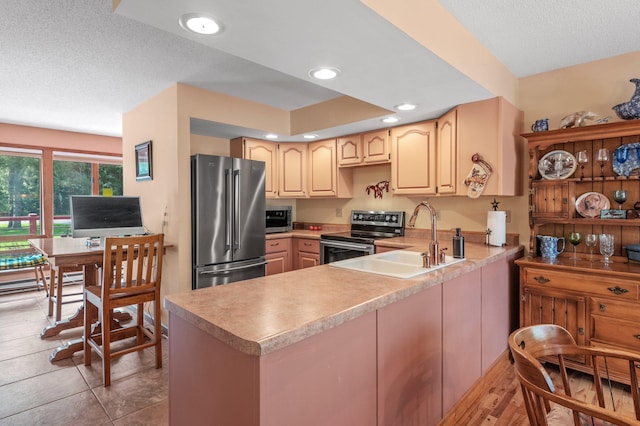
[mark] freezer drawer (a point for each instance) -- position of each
(208, 276)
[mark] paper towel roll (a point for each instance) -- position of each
(497, 224)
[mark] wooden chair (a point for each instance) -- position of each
(131, 275)
(16, 253)
(528, 344)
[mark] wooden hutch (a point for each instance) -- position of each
(598, 303)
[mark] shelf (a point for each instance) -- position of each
(584, 133)
(587, 221)
(591, 179)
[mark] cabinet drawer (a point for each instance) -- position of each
(616, 331)
(615, 309)
(616, 288)
(311, 246)
(279, 244)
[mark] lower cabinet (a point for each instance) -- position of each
(278, 255)
(410, 360)
(461, 339)
(306, 252)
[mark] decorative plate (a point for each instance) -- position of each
(589, 204)
(626, 159)
(557, 165)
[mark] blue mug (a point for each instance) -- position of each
(550, 246)
(541, 125)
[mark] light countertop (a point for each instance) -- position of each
(265, 314)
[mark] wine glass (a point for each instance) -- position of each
(583, 159)
(574, 239)
(620, 196)
(602, 158)
(606, 247)
(591, 240)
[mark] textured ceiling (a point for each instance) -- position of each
(76, 65)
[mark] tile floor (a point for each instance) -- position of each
(36, 391)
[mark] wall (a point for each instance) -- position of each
(59, 139)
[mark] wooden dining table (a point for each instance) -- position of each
(63, 255)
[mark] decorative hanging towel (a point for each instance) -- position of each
(478, 177)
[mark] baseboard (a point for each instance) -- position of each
(148, 317)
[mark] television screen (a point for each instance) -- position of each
(95, 216)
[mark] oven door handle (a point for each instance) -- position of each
(341, 244)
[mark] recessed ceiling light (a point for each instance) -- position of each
(324, 73)
(405, 107)
(310, 136)
(389, 120)
(271, 136)
(200, 23)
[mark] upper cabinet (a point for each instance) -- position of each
(446, 163)
(492, 129)
(413, 153)
(292, 170)
(253, 149)
(363, 149)
(325, 179)
(427, 158)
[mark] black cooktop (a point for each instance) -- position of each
(368, 226)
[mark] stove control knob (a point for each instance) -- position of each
(387, 218)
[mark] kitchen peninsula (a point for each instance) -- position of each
(326, 345)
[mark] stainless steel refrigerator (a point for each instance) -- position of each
(228, 219)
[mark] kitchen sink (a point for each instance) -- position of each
(397, 264)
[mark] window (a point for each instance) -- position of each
(81, 174)
(20, 189)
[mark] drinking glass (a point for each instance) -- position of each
(621, 155)
(574, 239)
(591, 240)
(620, 196)
(583, 159)
(606, 247)
(602, 158)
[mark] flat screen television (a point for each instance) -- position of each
(95, 216)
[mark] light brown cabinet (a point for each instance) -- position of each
(325, 179)
(253, 149)
(599, 306)
(306, 252)
(492, 129)
(446, 152)
(292, 170)
(413, 152)
(278, 256)
(364, 149)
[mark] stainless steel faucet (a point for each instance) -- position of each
(433, 245)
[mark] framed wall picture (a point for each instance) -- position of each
(143, 161)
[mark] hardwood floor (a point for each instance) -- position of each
(497, 400)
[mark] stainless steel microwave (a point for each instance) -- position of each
(278, 219)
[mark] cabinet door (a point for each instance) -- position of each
(410, 360)
(550, 199)
(546, 306)
(413, 149)
(375, 146)
(267, 152)
(278, 255)
(461, 336)
(350, 150)
(496, 309)
(307, 252)
(292, 165)
(322, 168)
(446, 169)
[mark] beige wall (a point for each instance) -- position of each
(59, 139)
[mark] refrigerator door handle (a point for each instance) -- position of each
(228, 210)
(239, 268)
(236, 210)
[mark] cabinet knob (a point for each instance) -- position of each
(618, 290)
(275, 244)
(542, 280)
(603, 307)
